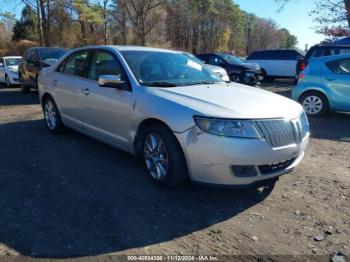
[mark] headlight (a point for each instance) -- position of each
(225, 127)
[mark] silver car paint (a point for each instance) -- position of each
(113, 116)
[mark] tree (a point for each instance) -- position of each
(26, 27)
(144, 15)
(88, 16)
(286, 39)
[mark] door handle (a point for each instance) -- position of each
(86, 91)
(330, 79)
(54, 82)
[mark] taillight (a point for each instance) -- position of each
(301, 76)
(302, 66)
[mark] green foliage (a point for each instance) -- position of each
(88, 12)
(26, 27)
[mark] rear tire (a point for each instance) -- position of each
(315, 104)
(52, 116)
(7, 81)
(24, 88)
(266, 78)
(163, 157)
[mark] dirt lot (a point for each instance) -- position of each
(69, 196)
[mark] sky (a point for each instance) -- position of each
(294, 17)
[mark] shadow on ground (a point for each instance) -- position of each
(13, 96)
(334, 126)
(68, 196)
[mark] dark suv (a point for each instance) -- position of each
(319, 51)
(35, 59)
(238, 71)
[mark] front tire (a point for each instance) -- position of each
(52, 116)
(163, 157)
(315, 104)
(7, 80)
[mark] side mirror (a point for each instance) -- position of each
(112, 81)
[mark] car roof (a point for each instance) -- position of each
(48, 48)
(277, 50)
(315, 46)
(122, 48)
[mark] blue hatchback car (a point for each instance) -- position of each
(324, 86)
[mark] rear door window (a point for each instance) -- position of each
(76, 64)
(291, 55)
(340, 66)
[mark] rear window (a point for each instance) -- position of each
(257, 56)
(51, 55)
(328, 51)
(275, 55)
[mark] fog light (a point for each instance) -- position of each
(244, 171)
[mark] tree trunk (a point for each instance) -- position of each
(83, 32)
(40, 24)
(347, 8)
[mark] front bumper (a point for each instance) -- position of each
(212, 159)
(252, 77)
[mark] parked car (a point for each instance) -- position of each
(9, 70)
(281, 63)
(324, 85)
(179, 117)
(219, 71)
(35, 59)
(320, 51)
(237, 70)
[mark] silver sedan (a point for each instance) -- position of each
(181, 118)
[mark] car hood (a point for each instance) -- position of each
(231, 101)
(14, 67)
(252, 66)
(215, 69)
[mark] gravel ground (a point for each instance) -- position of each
(70, 196)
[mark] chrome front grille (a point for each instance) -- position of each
(280, 132)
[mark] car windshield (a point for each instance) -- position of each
(231, 59)
(51, 55)
(168, 69)
(12, 61)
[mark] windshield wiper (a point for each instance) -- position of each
(204, 83)
(158, 84)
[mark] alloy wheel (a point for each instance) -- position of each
(50, 115)
(312, 105)
(156, 156)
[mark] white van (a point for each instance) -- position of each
(277, 63)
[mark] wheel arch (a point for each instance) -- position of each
(322, 92)
(140, 131)
(44, 97)
(317, 90)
